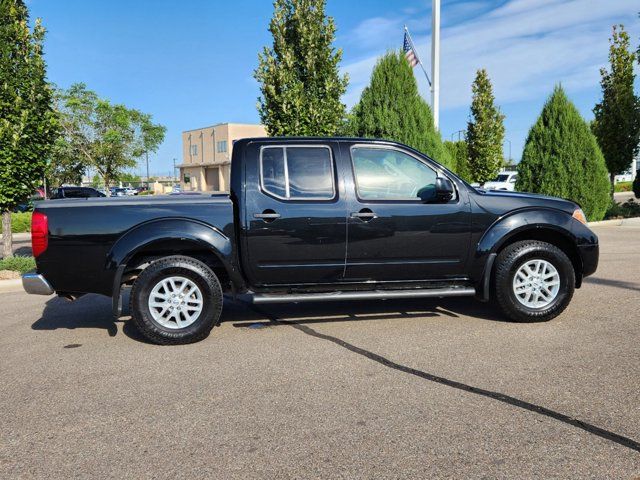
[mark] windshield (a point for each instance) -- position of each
(501, 178)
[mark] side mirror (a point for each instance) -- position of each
(441, 192)
(444, 189)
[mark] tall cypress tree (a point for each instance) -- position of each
(459, 153)
(617, 116)
(28, 125)
(561, 158)
(485, 131)
(300, 83)
(391, 107)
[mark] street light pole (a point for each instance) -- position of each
(435, 62)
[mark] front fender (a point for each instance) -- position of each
(504, 228)
(148, 233)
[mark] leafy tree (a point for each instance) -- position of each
(561, 157)
(485, 131)
(28, 126)
(617, 116)
(391, 107)
(300, 83)
(108, 137)
(459, 153)
(64, 167)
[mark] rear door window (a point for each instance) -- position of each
(298, 172)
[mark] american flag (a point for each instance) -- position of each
(409, 52)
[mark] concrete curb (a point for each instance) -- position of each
(9, 286)
(620, 222)
(604, 223)
(21, 236)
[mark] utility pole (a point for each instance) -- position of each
(435, 62)
(147, 156)
(174, 171)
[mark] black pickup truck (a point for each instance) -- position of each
(314, 219)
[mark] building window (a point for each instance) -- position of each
(194, 150)
(187, 178)
(222, 146)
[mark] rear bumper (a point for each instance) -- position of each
(36, 284)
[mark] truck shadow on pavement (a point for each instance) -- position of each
(94, 311)
(613, 283)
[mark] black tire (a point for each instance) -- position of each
(507, 264)
(186, 267)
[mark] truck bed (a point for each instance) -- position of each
(81, 239)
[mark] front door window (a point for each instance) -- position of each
(385, 174)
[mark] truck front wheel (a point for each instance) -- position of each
(534, 281)
(176, 300)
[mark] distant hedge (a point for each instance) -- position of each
(561, 158)
(20, 222)
(18, 264)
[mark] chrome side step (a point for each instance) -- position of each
(262, 298)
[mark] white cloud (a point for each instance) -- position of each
(526, 45)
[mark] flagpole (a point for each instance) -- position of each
(435, 62)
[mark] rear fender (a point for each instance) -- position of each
(145, 235)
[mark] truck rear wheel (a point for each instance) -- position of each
(176, 300)
(534, 281)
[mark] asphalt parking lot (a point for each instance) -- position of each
(402, 389)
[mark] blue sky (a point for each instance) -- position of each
(190, 63)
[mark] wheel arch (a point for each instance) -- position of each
(173, 236)
(550, 226)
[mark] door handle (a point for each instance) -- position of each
(365, 215)
(268, 215)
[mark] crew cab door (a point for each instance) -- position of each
(295, 216)
(394, 234)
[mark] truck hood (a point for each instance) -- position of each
(503, 201)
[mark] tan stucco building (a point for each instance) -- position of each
(206, 155)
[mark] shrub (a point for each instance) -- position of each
(561, 157)
(622, 187)
(18, 264)
(627, 209)
(20, 222)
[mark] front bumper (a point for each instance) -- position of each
(36, 284)
(590, 255)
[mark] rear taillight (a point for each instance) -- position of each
(39, 233)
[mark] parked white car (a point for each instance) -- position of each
(504, 181)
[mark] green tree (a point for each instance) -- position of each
(561, 158)
(391, 107)
(485, 131)
(128, 177)
(108, 137)
(459, 154)
(28, 126)
(300, 83)
(617, 116)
